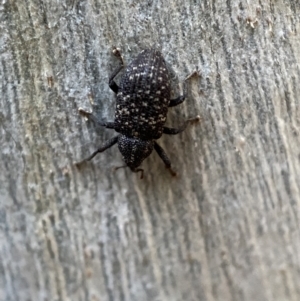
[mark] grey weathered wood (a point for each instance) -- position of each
(227, 229)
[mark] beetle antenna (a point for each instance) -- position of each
(140, 170)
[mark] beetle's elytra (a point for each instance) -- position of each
(143, 99)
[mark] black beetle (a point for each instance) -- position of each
(143, 99)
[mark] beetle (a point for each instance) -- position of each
(143, 99)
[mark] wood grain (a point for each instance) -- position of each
(226, 229)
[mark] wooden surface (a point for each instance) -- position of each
(226, 229)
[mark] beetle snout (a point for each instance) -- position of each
(134, 150)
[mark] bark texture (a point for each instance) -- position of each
(226, 229)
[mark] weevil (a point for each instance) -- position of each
(143, 99)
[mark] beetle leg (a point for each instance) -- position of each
(174, 131)
(112, 83)
(177, 101)
(89, 115)
(165, 158)
(101, 149)
(181, 98)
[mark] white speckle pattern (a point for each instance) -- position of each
(145, 89)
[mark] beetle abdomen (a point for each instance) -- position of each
(143, 97)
